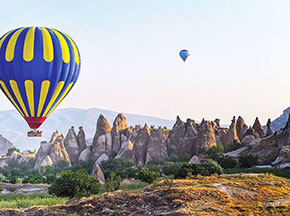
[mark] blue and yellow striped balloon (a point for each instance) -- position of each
(38, 68)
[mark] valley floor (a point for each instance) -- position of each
(236, 194)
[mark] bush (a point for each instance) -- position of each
(74, 184)
(11, 150)
(248, 161)
(120, 167)
(113, 182)
(208, 168)
(226, 162)
(146, 175)
(232, 147)
(34, 179)
(170, 168)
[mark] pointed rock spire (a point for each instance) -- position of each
(269, 128)
(258, 127)
(120, 123)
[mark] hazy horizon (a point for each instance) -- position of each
(239, 62)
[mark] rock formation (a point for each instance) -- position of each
(251, 132)
(258, 127)
(195, 160)
(285, 135)
(269, 128)
(85, 155)
(188, 143)
(232, 133)
(102, 142)
(120, 123)
(4, 145)
(241, 128)
(283, 160)
(81, 139)
(71, 145)
(126, 151)
(53, 152)
(206, 136)
(175, 137)
(156, 147)
(140, 146)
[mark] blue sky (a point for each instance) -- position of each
(239, 63)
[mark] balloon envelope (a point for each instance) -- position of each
(38, 68)
(184, 54)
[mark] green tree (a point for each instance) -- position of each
(147, 175)
(11, 150)
(113, 182)
(208, 168)
(120, 167)
(74, 184)
(248, 161)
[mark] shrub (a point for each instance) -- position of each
(113, 182)
(73, 184)
(11, 150)
(248, 161)
(226, 162)
(232, 147)
(146, 175)
(34, 179)
(208, 168)
(170, 168)
(1, 188)
(120, 167)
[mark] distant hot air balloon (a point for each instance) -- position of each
(38, 68)
(184, 54)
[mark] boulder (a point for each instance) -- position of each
(119, 124)
(71, 145)
(140, 146)
(98, 174)
(85, 155)
(269, 131)
(156, 147)
(258, 127)
(195, 159)
(81, 139)
(248, 139)
(283, 158)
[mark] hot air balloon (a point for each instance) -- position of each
(184, 54)
(38, 68)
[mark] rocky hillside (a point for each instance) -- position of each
(142, 144)
(4, 145)
(281, 121)
(241, 194)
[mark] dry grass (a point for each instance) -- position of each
(241, 194)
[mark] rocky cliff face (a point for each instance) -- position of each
(140, 146)
(4, 145)
(241, 128)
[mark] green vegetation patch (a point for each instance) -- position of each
(15, 200)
